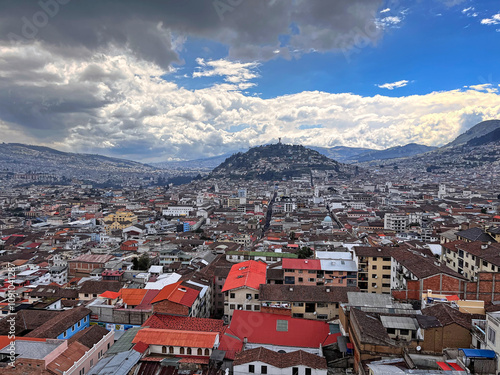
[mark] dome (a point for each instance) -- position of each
(327, 219)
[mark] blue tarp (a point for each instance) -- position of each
(479, 353)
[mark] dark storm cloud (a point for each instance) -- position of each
(250, 27)
(84, 73)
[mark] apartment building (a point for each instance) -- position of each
(374, 269)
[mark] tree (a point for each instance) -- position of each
(305, 252)
(292, 236)
(141, 263)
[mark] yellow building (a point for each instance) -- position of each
(119, 220)
(374, 269)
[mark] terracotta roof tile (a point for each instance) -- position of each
(168, 337)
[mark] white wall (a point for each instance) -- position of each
(271, 370)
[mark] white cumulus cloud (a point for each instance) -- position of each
(494, 20)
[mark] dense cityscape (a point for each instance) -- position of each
(330, 269)
(231, 187)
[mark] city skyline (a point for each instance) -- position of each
(156, 82)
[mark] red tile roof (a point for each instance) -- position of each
(184, 323)
(246, 274)
(301, 264)
(141, 347)
(176, 293)
(261, 328)
(110, 295)
(170, 337)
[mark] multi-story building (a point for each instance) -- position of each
(374, 269)
(119, 220)
(469, 258)
(333, 272)
(241, 288)
(492, 331)
(396, 222)
(305, 301)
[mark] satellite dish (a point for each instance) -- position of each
(419, 348)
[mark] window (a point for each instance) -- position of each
(232, 306)
(240, 307)
(386, 276)
(491, 335)
(86, 295)
(263, 369)
(256, 296)
(256, 307)
(391, 331)
(386, 267)
(322, 316)
(282, 325)
(295, 371)
(164, 349)
(249, 296)
(301, 279)
(374, 259)
(308, 371)
(298, 304)
(485, 263)
(374, 276)
(404, 332)
(91, 362)
(231, 295)
(300, 271)
(319, 305)
(181, 350)
(385, 285)
(79, 324)
(248, 307)
(207, 352)
(374, 267)
(311, 280)
(386, 259)
(251, 369)
(310, 307)
(189, 351)
(200, 351)
(461, 253)
(171, 350)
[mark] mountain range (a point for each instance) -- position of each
(21, 158)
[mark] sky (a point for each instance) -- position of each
(155, 81)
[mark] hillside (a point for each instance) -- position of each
(278, 161)
(478, 130)
(408, 150)
(493, 136)
(342, 154)
(21, 158)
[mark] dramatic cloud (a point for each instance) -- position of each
(394, 85)
(120, 105)
(156, 31)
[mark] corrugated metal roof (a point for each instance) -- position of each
(117, 364)
(399, 322)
